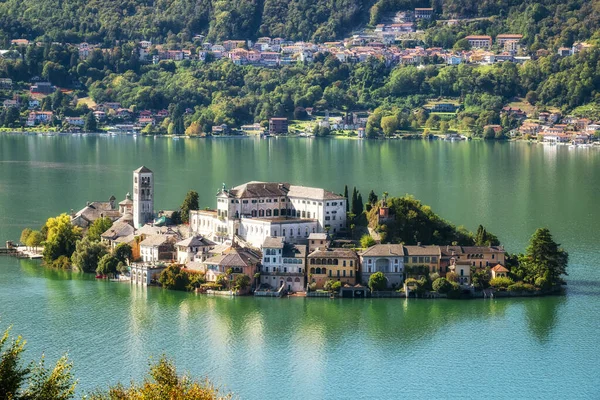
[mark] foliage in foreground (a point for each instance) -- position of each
(37, 382)
(162, 382)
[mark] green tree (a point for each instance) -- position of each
(346, 197)
(173, 277)
(189, 203)
(332, 286)
(389, 125)
(24, 235)
(123, 252)
(441, 285)
(61, 237)
(87, 254)
(242, 282)
(544, 259)
(90, 124)
(377, 281)
(35, 239)
(107, 265)
(372, 198)
(366, 241)
(56, 383)
(98, 227)
(12, 373)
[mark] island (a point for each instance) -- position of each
(278, 239)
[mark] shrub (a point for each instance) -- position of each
(541, 282)
(521, 287)
(452, 276)
(501, 282)
(442, 285)
(366, 241)
(62, 262)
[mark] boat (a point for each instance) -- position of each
(99, 276)
(175, 137)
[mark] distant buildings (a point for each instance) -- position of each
(278, 126)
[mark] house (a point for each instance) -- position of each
(497, 128)
(475, 256)
(385, 258)
(157, 248)
(193, 248)
(34, 103)
(508, 37)
(318, 240)
(118, 230)
(444, 107)
(100, 115)
(6, 83)
(10, 103)
(94, 210)
(479, 42)
(423, 13)
(332, 264)
(42, 88)
(239, 260)
(19, 42)
(499, 271)
(145, 44)
(222, 129)
(421, 260)
(39, 117)
(278, 126)
(513, 112)
(145, 274)
(75, 121)
(283, 265)
(564, 51)
(144, 121)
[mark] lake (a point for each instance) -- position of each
(315, 348)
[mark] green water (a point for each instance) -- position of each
(317, 348)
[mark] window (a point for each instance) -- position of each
(261, 213)
(232, 201)
(261, 201)
(329, 272)
(350, 273)
(415, 260)
(395, 261)
(253, 201)
(369, 269)
(338, 273)
(351, 263)
(254, 213)
(245, 201)
(370, 261)
(268, 200)
(344, 273)
(268, 213)
(276, 212)
(308, 214)
(327, 218)
(426, 259)
(303, 216)
(395, 269)
(344, 263)
(421, 259)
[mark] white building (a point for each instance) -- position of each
(385, 258)
(283, 264)
(257, 210)
(143, 196)
(144, 274)
(157, 248)
(194, 248)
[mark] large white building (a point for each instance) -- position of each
(256, 210)
(143, 196)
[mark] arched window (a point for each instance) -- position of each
(275, 232)
(325, 271)
(318, 271)
(329, 261)
(254, 213)
(318, 261)
(261, 213)
(268, 213)
(276, 212)
(306, 232)
(312, 261)
(283, 232)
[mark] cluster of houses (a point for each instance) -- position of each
(553, 128)
(277, 234)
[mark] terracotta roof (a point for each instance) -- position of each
(499, 268)
(343, 253)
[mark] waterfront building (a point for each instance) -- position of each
(278, 126)
(194, 248)
(144, 274)
(118, 230)
(283, 265)
(143, 196)
(325, 264)
(256, 210)
(499, 271)
(157, 248)
(385, 258)
(475, 256)
(420, 259)
(94, 210)
(239, 260)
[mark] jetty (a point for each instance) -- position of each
(21, 251)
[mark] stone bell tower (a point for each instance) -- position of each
(143, 196)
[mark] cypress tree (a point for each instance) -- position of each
(354, 199)
(360, 206)
(346, 196)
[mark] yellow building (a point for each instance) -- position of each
(332, 264)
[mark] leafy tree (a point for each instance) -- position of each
(24, 235)
(501, 282)
(484, 238)
(389, 125)
(332, 286)
(452, 277)
(242, 282)
(441, 285)
(35, 239)
(107, 265)
(481, 279)
(173, 277)
(189, 203)
(98, 227)
(12, 373)
(90, 124)
(123, 252)
(61, 237)
(87, 254)
(377, 281)
(366, 241)
(57, 383)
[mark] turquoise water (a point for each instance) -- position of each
(315, 348)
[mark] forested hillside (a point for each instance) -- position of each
(98, 21)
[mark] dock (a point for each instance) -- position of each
(21, 251)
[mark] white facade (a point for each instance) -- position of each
(142, 274)
(283, 265)
(143, 196)
(256, 210)
(385, 258)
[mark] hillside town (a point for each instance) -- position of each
(286, 239)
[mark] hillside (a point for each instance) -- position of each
(98, 21)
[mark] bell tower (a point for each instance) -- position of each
(143, 196)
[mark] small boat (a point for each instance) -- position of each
(100, 276)
(175, 137)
